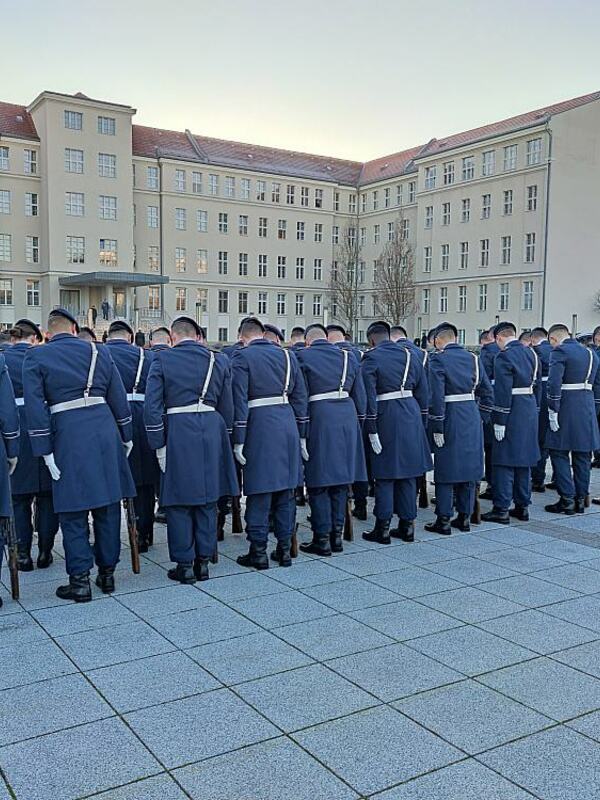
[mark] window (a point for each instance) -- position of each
(73, 160)
(223, 222)
(510, 157)
(318, 269)
(180, 259)
(503, 297)
(386, 198)
(32, 289)
(180, 298)
(461, 336)
(30, 162)
(448, 173)
(335, 234)
(180, 219)
(425, 300)
(484, 252)
(445, 213)
(242, 302)
(465, 214)
(4, 160)
(275, 192)
(289, 196)
(303, 196)
(74, 206)
(362, 304)
(223, 301)
(32, 249)
(412, 191)
(262, 266)
(529, 248)
(532, 195)
(464, 255)
(6, 291)
(399, 191)
(445, 257)
(152, 212)
(108, 252)
(336, 201)
(76, 249)
(486, 206)
(375, 200)
(299, 305)
(281, 229)
(152, 177)
(527, 295)
(468, 168)
(245, 188)
(443, 306)
(213, 184)
(376, 234)
(261, 189)
(318, 198)
(427, 259)
(482, 297)
(229, 186)
(223, 262)
(263, 303)
(262, 227)
(73, 120)
(428, 216)
(153, 259)
(351, 202)
(223, 334)
(405, 231)
(390, 231)
(488, 163)
(506, 250)
(363, 202)
(107, 165)
(461, 306)
(197, 182)
(361, 271)
(180, 180)
(106, 125)
(534, 152)
(4, 201)
(281, 267)
(243, 225)
(107, 206)
(154, 298)
(507, 206)
(300, 231)
(202, 220)
(430, 177)
(362, 237)
(299, 269)
(202, 261)
(281, 304)
(202, 300)
(316, 305)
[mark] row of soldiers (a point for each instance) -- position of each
(114, 421)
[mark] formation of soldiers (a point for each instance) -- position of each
(87, 425)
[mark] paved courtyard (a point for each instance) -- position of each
(465, 668)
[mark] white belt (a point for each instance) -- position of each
(132, 396)
(19, 401)
(193, 408)
(573, 387)
(522, 390)
(335, 395)
(280, 400)
(81, 402)
(459, 398)
(399, 395)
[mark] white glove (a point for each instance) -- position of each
(375, 443)
(128, 448)
(12, 464)
(238, 452)
(303, 450)
(52, 468)
(161, 455)
(553, 417)
(499, 431)
(439, 439)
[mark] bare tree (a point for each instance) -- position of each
(346, 278)
(394, 280)
(597, 302)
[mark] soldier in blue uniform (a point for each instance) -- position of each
(573, 404)
(9, 446)
(133, 364)
(461, 398)
(273, 334)
(596, 348)
(4, 340)
(160, 339)
(270, 426)
(542, 348)
(336, 403)
(488, 353)
(397, 397)
(78, 414)
(87, 334)
(191, 385)
(517, 388)
(297, 342)
(337, 335)
(31, 480)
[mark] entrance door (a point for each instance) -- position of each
(119, 308)
(69, 299)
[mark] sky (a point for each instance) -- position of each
(355, 79)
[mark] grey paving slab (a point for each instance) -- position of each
(573, 576)
(245, 658)
(163, 787)
(405, 619)
(415, 581)
(470, 604)
(467, 780)
(586, 522)
(309, 573)
(584, 611)
(274, 770)
(528, 590)
(371, 562)
(152, 680)
(31, 662)
(107, 646)
(352, 747)
(539, 632)
(470, 545)
(151, 577)
(515, 537)
(352, 594)
(565, 550)
(201, 625)
(43, 595)
(421, 553)
(519, 559)
(75, 617)
(552, 688)
(225, 566)
(557, 764)
(168, 600)
(585, 657)
(77, 762)
(305, 696)
(198, 727)
(588, 725)
(285, 608)
(4, 795)
(18, 629)
(472, 716)
(394, 671)
(332, 637)
(471, 570)
(240, 587)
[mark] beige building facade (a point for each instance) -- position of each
(502, 221)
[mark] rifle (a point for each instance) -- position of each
(236, 515)
(476, 514)
(10, 536)
(348, 523)
(133, 534)
(294, 543)
(423, 498)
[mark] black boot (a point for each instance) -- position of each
(300, 496)
(201, 569)
(441, 526)
(580, 505)
(487, 495)
(461, 523)
(360, 510)
(519, 512)
(320, 545)
(45, 558)
(282, 553)
(24, 561)
(380, 533)
(256, 556)
(184, 573)
(105, 579)
(335, 538)
(563, 506)
(221, 520)
(78, 589)
(496, 515)
(143, 544)
(160, 516)
(538, 487)
(404, 531)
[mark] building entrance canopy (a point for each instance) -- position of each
(113, 279)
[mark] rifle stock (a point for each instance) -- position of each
(348, 523)
(423, 498)
(236, 515)
(476, 514)
(133, 535)
(294, 543)
(10, 536)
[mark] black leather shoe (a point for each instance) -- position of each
(24, 562)
(461, 523)
(551, 485)
(44, 559)
(404, 531)
(78, 589)
(538, 487)
(320, 545)
(300, 497)
(596, 463)
(495, 515)
(380, 533)
(256, 557)
(519, 512)
(579, 505)
(335, 538)
(562, 506)
(201, 569)
(596, 501)
(441, 526)
(160, 516)
(487, 495)
(360, 511)
(184, 573)
(143, 545)
(105, 579)
(283, 553)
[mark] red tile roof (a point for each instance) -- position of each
(154, 142)
(16, 121)
(390, 166)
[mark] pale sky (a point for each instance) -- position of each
(355, 79)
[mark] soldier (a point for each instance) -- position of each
(337, 335)
(515, 420)
(525, 338)
(396, 400)
(160, 339)
(231, 349)
(31, 479)
(77, 410)
(543, 349)
(456, 382)
(9, 446)
(87, 334)
(270, 424)
(488, 353)
(4, 340)
(596, 347)
(273, 334)
(297, 339)
(133, 363)
(336, 402)
(573, 403)
(192, 386)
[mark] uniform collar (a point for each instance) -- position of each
(22, 345)
(260, 342)
(113, 342)
(322, 342)
(450, 345)
(60, 336)
(188, 343)
(512, 343)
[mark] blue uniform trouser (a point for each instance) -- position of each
(143, 503)
(571, 482)
(538, 473)
(511, 483)
(47, 520)
(487, 450)
(360, 490)
(1, 552)
(79, 555)
(191, 532)
(396, 497)
(281, 504)
(327, 508)
(457, 495)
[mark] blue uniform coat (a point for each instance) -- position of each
(543, 351)
(487, 356)
(9, 440)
